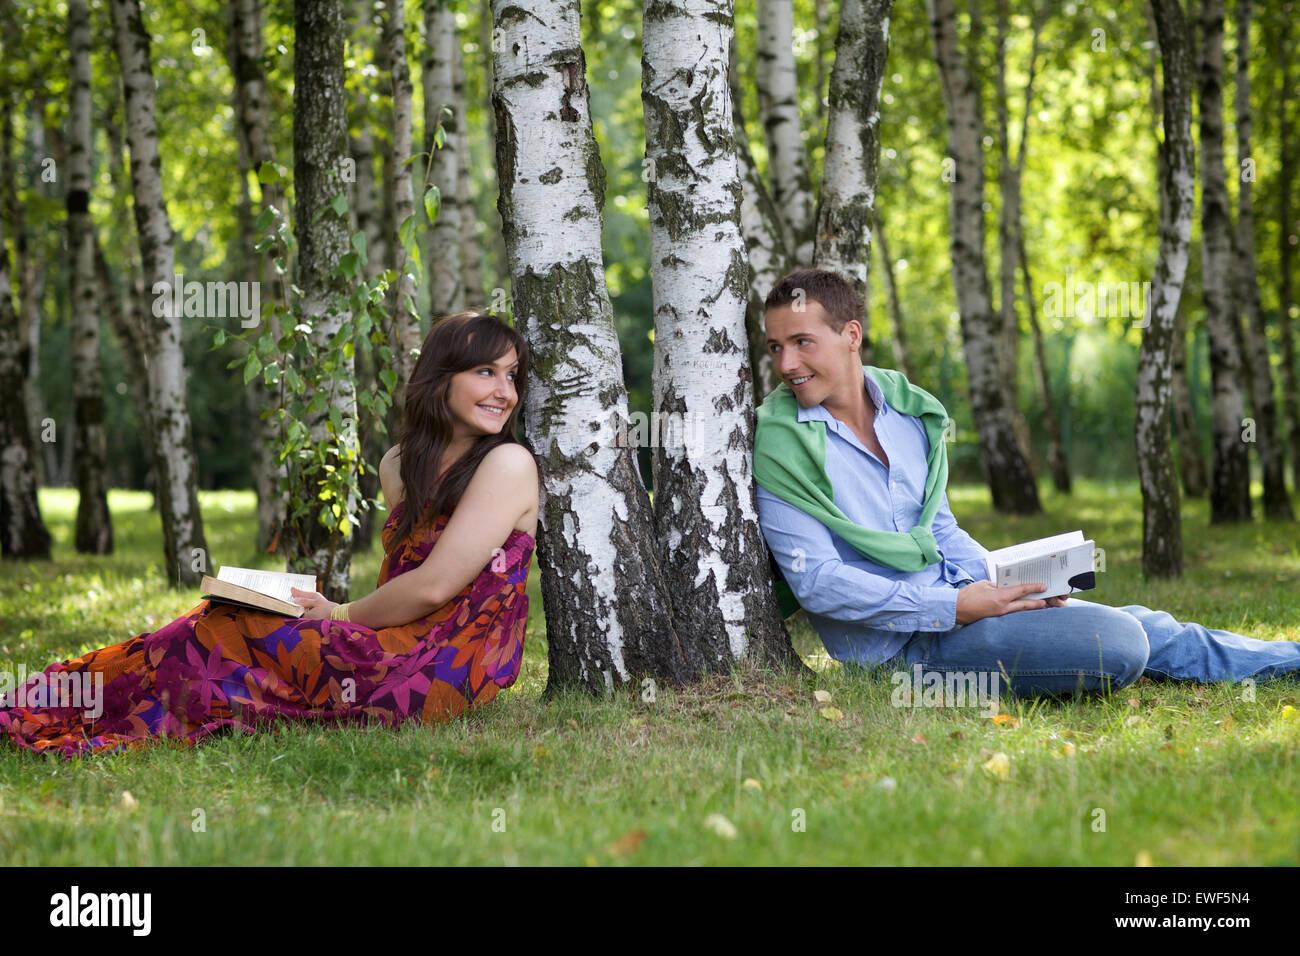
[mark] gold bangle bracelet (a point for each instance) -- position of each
(340, 612)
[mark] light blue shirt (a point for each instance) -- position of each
(865, 612)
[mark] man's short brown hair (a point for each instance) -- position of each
(835, 293)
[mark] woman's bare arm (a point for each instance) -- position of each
(503, 489)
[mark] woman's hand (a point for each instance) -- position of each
(317, 605)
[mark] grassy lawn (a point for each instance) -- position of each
(1178, 773)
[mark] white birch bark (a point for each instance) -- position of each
(94, 531)
(405, 318)
(1162, 542)
(471, 257)
(712, 549)
(1005, 468)
(252, 114)
(1277, 503)
(1230, 472)
(22, 532)
(765, 247)
(852, 164)
(446, 279)
(778, 107)
(175, 466)
(607, 609)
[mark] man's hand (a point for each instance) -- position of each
(982, 599)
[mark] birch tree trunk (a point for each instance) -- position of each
(1230, 473)
(252, 116)
(853, 149)
(902, 354)
(370, 222)
(713, 556)
(405, 318)
(1005, 468)
(471, 257)
(320, 139)
(175, 466)
(1162, 540)
(1286, 252)
(1190, 464)
(446, 279)
(94, 533)
(778, 109)
(764, 234)
(1277, 503)
(23, 534)
(607, 609)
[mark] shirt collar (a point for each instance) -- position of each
(818, 413)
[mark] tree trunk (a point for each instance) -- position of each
(1277, 503)
(320, 140)
(607, 609)
(1005, 468)
(175, 466)
(446, 274)
(471, 257)
(94, 533)
(1230, 475)
(252, 117)
(1162, 540)
(713, 557)
(778, 109)
(760, 224)
(1057, 458)
(1009, 225)
(853, 149)
(22, 532)
(1286, 229)
(405, 319)
(902, 354)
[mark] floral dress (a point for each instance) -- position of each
(224, 666)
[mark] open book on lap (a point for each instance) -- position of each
(1063, 562)
(261, 590)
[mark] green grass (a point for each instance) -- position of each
(1185, 774)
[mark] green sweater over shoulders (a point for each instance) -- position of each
(790, 462)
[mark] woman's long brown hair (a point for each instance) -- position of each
(454, 344)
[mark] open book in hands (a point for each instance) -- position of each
(1063, 562)
(262, 590)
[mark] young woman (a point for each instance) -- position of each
(442, 632)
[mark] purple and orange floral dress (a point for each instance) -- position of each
(223, 666)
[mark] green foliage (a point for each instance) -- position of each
(317, 446)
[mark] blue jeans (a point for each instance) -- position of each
(1089, 647)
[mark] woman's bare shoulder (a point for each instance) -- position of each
(517, 464)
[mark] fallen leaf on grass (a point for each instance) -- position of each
(831, 713)
(1143, 859)
(129, 802)
(721, 826)
(999, 766)
(1005, 720)
(572, 723)
(1289, 712)
(822, 696)
(1067, 749)
(919, 738)
(626, 844)
(752, 784)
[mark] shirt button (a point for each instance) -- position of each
(936, 623)
(891, 627)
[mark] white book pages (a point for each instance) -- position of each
(276, 584)
(1054, 569)
(1029, 549)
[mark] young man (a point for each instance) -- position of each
(851, 466)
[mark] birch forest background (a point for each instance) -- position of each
(227, 222)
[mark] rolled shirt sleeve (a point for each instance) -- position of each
(826, 584)
(958, 546)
